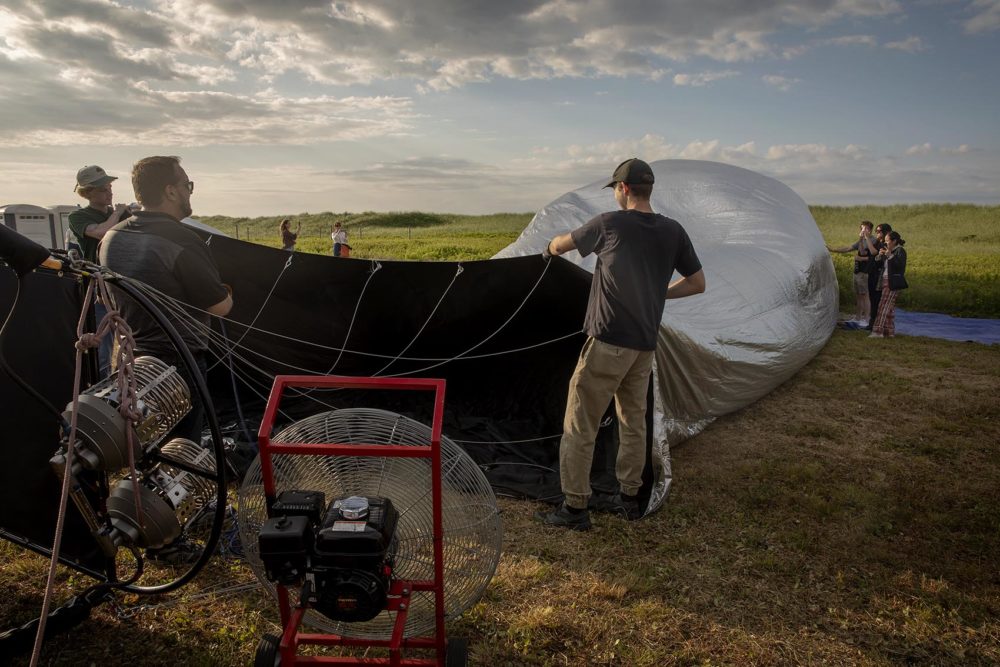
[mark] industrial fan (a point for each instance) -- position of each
(367, 525)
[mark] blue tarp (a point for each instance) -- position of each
(936, 325)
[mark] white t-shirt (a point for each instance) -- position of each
(339, 236)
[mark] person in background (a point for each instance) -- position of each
(875, 269)
(88, 226)
(287, 237)
(861, 257)
(637, 253)
(893, 281)
(339, 236)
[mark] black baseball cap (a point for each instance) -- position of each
(633, 172)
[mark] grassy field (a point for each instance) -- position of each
(850, 517)
(953, 250)
(953, 253)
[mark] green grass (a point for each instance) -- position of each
(953, 250)
(953, 253)
(410, 236)
(870, 539)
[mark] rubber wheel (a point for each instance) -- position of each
(456, 653)
(267, 652)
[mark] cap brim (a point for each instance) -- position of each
(610, 185)
(99, 183)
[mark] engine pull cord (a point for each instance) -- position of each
(87, 340)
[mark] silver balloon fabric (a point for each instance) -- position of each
(771, 299)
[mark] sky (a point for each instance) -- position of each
(473, 106)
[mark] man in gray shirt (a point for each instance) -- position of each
(637, 253)
(157, 249)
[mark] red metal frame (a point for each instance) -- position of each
(400, 590)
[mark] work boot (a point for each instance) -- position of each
(566, 517)
(627, 507)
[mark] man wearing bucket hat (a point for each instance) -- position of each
(637, 253)
(90, 224)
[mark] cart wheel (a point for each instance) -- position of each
(457, 652)
(268, 654)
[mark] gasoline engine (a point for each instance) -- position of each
(342, 554)
(118, 511)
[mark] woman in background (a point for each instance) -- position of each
(287, 237)
(893, 280)
(339, 236)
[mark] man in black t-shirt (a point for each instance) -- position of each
(637, 253)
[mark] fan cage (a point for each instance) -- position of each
(472, 530)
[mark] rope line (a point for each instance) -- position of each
(426, 322)
(267, 299)
(248, 370)
(483, 341)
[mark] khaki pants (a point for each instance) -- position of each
(604, 371)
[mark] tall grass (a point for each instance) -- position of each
(953, 253)
(953, 250)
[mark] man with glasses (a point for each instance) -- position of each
(637, 252)
(156, 248)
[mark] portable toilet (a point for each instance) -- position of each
(37, 223)
(61, 213)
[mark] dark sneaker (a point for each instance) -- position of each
(179, 552)
(626, 507)
(565, 517)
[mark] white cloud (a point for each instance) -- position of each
(442, 43)
(782, 83)
(957, 150)
(986, 19)
(920, 149)
(154, 116)
(792, 52)
(849, 40)
(702, 78)
(911, 44)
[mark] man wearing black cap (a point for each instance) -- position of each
(637, 253)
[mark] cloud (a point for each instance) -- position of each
(986, 18)
(442, 43)
(820, 173)
(919, 149)
(702, 78)
(911, 44)
(782, 83)
(791, 52)
(144, 114)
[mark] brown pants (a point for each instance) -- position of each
(604, 371)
